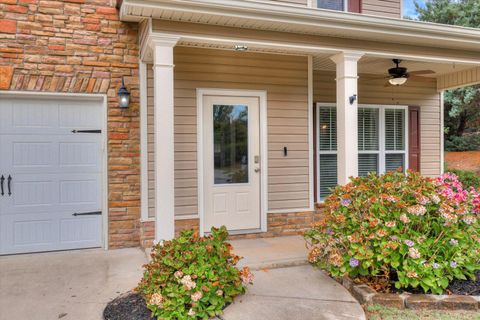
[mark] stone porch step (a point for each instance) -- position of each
(271, 253)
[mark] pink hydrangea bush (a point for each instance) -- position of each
(399, 229)
(192, 277)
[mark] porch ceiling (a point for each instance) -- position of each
(367, 64)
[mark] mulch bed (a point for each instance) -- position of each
(128, 306)
(460, 287)
(465, 287)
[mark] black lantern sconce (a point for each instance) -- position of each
(352, 99)
(123, 96)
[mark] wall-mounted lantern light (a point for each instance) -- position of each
(352, 99)
(123, 96)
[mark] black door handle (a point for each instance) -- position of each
(2, 180)
(9, 181)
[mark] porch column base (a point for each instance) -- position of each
(347, 113)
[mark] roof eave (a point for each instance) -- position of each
(371, 26)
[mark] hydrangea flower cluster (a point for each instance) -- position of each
(193, 277)
(419, 231)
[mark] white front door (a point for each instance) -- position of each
(52, 177)
(231, 162)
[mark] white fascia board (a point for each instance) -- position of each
(318, 19)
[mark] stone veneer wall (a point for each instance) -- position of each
(80, 46)
(279, 224)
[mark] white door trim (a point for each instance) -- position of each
(85, 97)
(262, 96)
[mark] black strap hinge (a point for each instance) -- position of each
(86, 131)
(92, 213)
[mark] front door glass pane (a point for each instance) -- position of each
(230, 145)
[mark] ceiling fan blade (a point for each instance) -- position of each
(419, 72)
(421, 79)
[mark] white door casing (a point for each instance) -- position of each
(55, 173)
(231, 171)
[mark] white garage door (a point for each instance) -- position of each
(50, 174)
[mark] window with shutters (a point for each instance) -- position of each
(339, 5)
(354, 6)
(382, 142)
(327, 149)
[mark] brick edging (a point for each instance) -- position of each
(367, 296)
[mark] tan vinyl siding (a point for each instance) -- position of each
(384, 8)
(150, 141)
(459, 79)
(284, 78)
(423, 94)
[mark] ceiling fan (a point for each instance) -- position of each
(399, 75)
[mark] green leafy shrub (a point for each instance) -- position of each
(401, 229)
(193, 277)
(467, 178)
(467, 142)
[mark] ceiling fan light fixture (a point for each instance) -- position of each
(397, 81)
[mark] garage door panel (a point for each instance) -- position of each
(31, 154)
(44, 231)
(30, 193)
(28, 116)
(79, 154)
(80, 192)
(53, 192)
(68, 153)
(79, 116)
(56, 175)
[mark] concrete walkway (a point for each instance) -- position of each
(286, 287)
(69, 285)
(78, 284)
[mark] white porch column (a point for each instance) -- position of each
(347, 143)
(164, 148)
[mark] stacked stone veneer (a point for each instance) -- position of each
(278, 224)
(80, 46)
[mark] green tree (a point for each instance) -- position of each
(462, 106)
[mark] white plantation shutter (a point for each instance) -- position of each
(328, 173)
(394, 161)
(367, 162)
(394, 139)
(327, 149)
(327, 129)
(394, 129)
(368, 140)
(368, 129)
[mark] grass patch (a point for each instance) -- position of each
(378, 312)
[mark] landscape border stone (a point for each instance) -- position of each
(365, 295)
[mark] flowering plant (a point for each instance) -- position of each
(401, 229)
(192, 277)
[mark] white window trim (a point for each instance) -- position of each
(381, 152)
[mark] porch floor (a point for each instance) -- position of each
(271, 253)
(286, 287)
